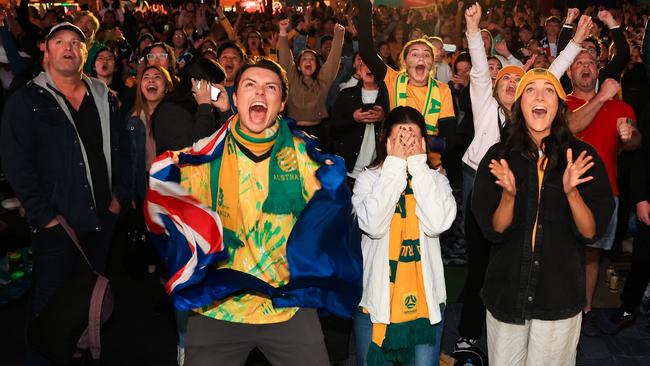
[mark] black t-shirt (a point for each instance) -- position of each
(88, 125)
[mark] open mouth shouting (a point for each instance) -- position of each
(257, 112)
(539, 112)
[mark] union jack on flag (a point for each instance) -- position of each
(191, 226)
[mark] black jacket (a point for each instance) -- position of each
(549, 282)
(346, 133)
(640, 172)
(175, 127)
(43, 159)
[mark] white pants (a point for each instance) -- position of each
(537, 342)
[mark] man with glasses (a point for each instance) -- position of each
(59, 145)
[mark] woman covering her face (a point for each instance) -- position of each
(402, 205)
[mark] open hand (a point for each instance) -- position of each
(575, 170)
(505, 177)
(401, 144)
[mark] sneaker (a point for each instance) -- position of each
(590, 325)
(621, 319)
(464, 343)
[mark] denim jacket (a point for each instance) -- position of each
(136, 142)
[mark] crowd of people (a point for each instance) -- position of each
(311, 157)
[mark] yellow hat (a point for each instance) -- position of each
(540, 74)
(510, 69)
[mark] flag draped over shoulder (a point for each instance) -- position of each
(323, 250)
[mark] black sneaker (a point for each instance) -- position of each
(590, 325)
(620, 319)
(464, 343)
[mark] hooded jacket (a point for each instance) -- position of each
(45, 159)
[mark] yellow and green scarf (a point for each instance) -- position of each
(431, 108)
(409, 315)
(285, 187)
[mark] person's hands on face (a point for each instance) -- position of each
(576, 169)
(399, 143)
(419, 146)
(505, 177)
(201, 92)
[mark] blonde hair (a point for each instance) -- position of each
(408, 45)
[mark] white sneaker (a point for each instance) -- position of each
(464, 343)
(180, 355)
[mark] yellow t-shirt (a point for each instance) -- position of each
(416, 97)
(264, 236)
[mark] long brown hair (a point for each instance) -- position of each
(140, 103)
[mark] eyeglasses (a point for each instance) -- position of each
(160, 56)
(109, 59)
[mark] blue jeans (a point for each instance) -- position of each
(425, 354)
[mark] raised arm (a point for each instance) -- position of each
(330, 68)
(564, 60)
(285, 56)
(565, 32)
(479, 76)
(616, 64)
(225, 23)
(366, 43)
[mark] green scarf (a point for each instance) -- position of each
(285, 183)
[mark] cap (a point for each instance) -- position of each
(510, 69)
(65, 26)
(144, 36)
(540, 74)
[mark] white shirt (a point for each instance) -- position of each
(376, 191)
(367, 151)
